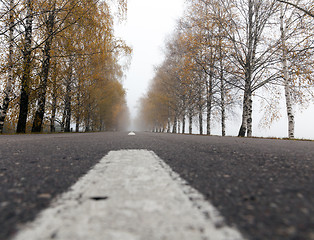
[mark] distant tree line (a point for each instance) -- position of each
(59, 66)
(229, 53)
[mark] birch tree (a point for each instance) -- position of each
(8, 87)
(60, 42)
(49, 22)
(295, 44)
(225, 48)
(27, 71)
(252, 53)
(286, 75)
(208, 24)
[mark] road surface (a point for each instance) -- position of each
(263, 188)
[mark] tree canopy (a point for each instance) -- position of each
(228, 54)
(60, 65)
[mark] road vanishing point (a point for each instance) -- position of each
(149, 186)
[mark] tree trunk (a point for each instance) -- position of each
(208, 119)
(247, 100)
(200, 117)
(183, 123)
(41, 102)
(169, 125)
(62, 122)
(87, 120)
(286, 76)
(289, 111)
(209, 94)
(174, 127)
(249, 115)
(53, 103)
(190, 121)
(222, 94)
(8, 88)
(67, 104)
(87, 128)
(53, 115)
(77, 124)
(78, 111)
(67, 115)
(26, 77)
(52, 122)
(243, 127)
(223, 111)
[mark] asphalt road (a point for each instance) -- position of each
(264, 187)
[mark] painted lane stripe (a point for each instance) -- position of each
(129, 195)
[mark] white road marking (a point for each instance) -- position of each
(129, 195)
(131, 134)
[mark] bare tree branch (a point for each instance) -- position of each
(298, 7)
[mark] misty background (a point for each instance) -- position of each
(149, 24)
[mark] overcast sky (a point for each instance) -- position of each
(148, 24)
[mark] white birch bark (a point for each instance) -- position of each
(249, 115)
(286, 76)
(243, 128)
(248, 73)
(222, 97)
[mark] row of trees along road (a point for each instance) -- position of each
(59, 64)
(227, 53)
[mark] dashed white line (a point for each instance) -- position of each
(129, 195)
